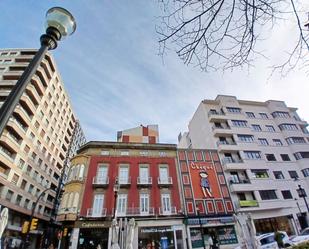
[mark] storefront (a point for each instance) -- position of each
(221, 230)
(283, 223)
(92, 234)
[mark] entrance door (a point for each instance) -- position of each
(97, 206)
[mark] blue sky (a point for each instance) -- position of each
(116, 80)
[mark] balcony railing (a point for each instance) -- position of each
(99, 213)
(100, 181)
(165, 181)
(210, 113)
(170, 211)
(144, 181)
(227, 160)
(225, 143)
(136, 211)
(248, 203)
(239, 181)
(124, 181)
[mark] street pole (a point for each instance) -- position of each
(201, 226)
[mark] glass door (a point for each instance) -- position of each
(102, 174)
(163, 172)
(166, 203)
(123, 174)
(97, 206)
(121, 204)
(144, 203)
(143, 174)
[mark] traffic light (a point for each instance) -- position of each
(25, 227)
(65, 232)
(34, 224)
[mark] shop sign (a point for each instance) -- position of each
(156, 229)
(204, 221)
(89, 224)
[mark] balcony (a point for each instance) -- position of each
(227, 146)
(139, 212)
(220, 130)
(97, 214)
(171, 211)
(165, 181)
(240, 185)
(233, 164)
(124, 182)
(216, 116)
(144, 181)
(248, 203)
(100, 182)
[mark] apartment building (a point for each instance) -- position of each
(35, 142)
(264, 150)
(148, 191)
(140, 134)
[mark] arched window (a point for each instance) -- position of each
(76, 200)
(81, 171)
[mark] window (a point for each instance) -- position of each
(143, 173)
(166, 203)
(102, 173)
(263, 115)
(293, 174)
(163, 173)
(305, 172)
(124, 153)
(15, 179)
(268, 194)
(270, 128)
(26, 149)
(233, 109)
(121, 204)
(9, 195)
(252, 154)
(21, 163)
(301, 155)
(295, 140)
(256, 127)
(280, 114)
(245, 138)
(18, 200)
(23, 184)
(263, 141)
(277, 142)
(26, 203)
(239, 123)
(260, 173)
(97, 206)
(286, 194)
(288, 127)
(123, 174)
(270, 157)
(144, 203)
(250, 114)
(285, 157)
(278, 175)
(30, 189)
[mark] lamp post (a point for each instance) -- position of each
(201, 226)
(302, 194)
(116, 190)
(59, 24)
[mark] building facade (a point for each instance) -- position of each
(148, 192)
(141, 134)
(207, 202)
(35, 141)
(263, 147)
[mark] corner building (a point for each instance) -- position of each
(264, 150)
(149, 192)
(35, 142)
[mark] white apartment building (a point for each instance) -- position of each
(264, 149)
(35, 142)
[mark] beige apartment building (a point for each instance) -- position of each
(35, 142)
(264, 149)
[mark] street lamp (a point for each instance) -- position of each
(302, 194)
(201, 226)
(116, 190)
(59, 24)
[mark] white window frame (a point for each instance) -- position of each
(123, 176)
(122, 200)
(144, 203)
(97, 205)
(166, 203)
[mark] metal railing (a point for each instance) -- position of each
(169, 211)
(165, 181)
(144, 180)
(99, 213)
(100, 180)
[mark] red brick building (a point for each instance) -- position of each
(148, 191)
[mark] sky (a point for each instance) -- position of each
(116, 80)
